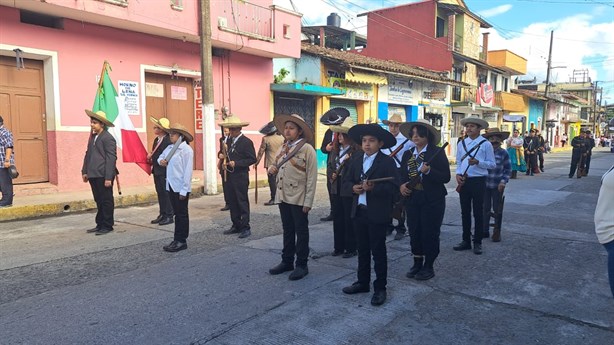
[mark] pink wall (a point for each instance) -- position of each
(82, 48)
(416, 46)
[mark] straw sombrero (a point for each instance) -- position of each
(233, 121)
(396, 118)
(357, 132)
(99, 116)
(491, 132)
(344, 127)
(182, 130)
(407, 127)
(475, 120)
(280, 122)
(334, 116)
(162, 122)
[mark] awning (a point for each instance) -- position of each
(307, 89)
(510, 101)
(473, 106)
(513, 118)
(366, 78)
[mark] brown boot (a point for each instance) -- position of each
(496, 235)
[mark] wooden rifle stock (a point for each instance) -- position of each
(399, 148)
(338, 170)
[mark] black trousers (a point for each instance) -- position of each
(425, 225)
(330, 197)
(371, 242)
(272, 185)
(492, 202)
(350, 234)
(164, 202)
(105, 204)
(343, 228)
(531, 160)
(225, 189)
(237, 185)
(587, 162)
(182, 218)
(472, 197)
(295, 224)
(575, 159)
(400, 228)
(6, 187)
(540, 156)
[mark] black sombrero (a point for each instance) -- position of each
(358, 131)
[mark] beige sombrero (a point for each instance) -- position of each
(99, 116)
(280, 123)
(475, 120)
(492, 132)
(407, 127)
(344, 127)
(396, 118)
(233, 121)
(162, 122)
(182, 130)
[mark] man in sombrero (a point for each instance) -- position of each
(99, 169)
(241, 155)
(497, 179)
(162, 140)
(396, 152)
(332, 117)
(179, 169)
(270, 145)
(474, 156)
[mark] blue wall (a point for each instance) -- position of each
(536, 110)
(411, 112)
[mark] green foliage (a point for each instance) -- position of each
(280, 76)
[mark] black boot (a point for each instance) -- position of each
(418, 263)
(514, 173)
(427, 272)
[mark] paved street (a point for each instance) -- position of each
(545, 283)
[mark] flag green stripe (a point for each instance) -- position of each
(105, 99)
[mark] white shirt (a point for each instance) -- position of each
(485, 155)
(604, 214)
(416, 154)
(400, 139)
(367, 162)
(179, 169)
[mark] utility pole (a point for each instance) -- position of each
(206, 77)
(595, 107)
(547, 82)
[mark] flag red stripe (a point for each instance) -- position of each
(133, 150)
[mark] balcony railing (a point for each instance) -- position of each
(247, 19)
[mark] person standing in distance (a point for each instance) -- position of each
(270, 145)
(162, 140)
(99, 169)
(7, 158)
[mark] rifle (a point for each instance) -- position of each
(224, 161)
(399, 148)
(460, 185)
(337, 171)
(580, 170)
(397, 209)
(260, 153)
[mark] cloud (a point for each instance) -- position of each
(495, 11)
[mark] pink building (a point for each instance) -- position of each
(153, 49)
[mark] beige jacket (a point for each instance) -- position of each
(271, 145)
(296, 179)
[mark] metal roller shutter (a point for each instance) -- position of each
(349, 105)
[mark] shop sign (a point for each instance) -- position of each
(400, 91)
(363, 92)
(198, 106)
(485, 95)
(434, 92)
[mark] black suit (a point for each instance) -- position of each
(370, 222)
(341, 201)
(242, 152)
(99, 164)
(328, 138)
(426, 205)
(159, 173)
(530, 153)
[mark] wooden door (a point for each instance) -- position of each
(173, 99)
(22, 100)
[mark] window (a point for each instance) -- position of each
(505, 84)
(177, 5)
(41, 20)
(287, 31)
(482, 78)
(494, 78)
(441, 27)
(458, 76)
(123, 3)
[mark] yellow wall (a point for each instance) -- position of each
(505, 58)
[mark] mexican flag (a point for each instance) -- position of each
(126, 136)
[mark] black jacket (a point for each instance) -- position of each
(434, 182)
(380, 199)
(100, 157)
(242, 153)
(156, 169)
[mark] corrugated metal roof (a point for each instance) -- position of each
(368, 63)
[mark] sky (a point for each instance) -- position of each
(583, 32)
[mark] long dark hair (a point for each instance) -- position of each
(423, 132)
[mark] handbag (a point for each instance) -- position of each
(13, 171)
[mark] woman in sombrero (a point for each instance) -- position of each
(515, 151)
(425, 196)
(297, 173)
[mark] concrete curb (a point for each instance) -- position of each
(23, 212)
